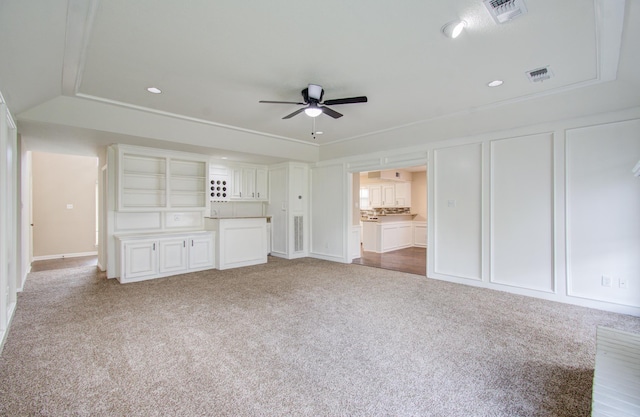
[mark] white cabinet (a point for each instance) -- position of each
(150, 180)
(403, 194)
(249, 183)
(240, 241)
(141, 260)
(289, 209)
(389, 195)
(144, 257)
(262, 183)
(201, 252)
(420, 234)
(172, 255)
(385, 195)
(375, 196)
(385, 237)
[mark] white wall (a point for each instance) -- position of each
(603, 212)
(544, 210)
(521, 187)
(457, 209)
(64, 205)
(329, 222)
(9, 251)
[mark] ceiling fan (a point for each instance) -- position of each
(312, 96)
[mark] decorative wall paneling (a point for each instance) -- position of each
(603, 213)
(522, 241)
(457, 210)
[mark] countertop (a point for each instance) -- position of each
(239, 217)
(382, 218)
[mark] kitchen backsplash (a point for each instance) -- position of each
(386, 210)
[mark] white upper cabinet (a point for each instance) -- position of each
(385, 195)
(389, 195)
(249, 183)
(403, 194)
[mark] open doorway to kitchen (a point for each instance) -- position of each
(64, 210)
(391, 208)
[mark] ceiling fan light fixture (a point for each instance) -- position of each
(314, 91)
(453, 29)
(313, 111)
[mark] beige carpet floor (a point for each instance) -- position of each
(294, 338)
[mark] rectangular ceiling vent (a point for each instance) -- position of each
(539, 74)
(504, 10)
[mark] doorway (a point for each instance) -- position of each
(391, 209)
(64, 205)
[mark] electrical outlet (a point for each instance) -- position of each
(622, 283)
(606, 281)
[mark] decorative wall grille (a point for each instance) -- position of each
(298, 233)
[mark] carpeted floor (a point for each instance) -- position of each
(294, 338)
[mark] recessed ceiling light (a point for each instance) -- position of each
(319, 133)
(154, 90)
(453, 29)
(495, 83)
(223, 157)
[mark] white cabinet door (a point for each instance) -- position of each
(405, 235)
(262, 191)
(140, 260)
(403, 194)
(201, 252)
(248, 183)
(173, 255)
(236, 183)
(375, 195)
(389, 195)
(389, 238)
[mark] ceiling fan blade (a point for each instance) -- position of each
(348, 100)
(331, 112)
(280, 102)
(289, 116)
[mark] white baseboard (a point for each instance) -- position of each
(64, 255)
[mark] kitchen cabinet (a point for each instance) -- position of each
(239, 241)
(385, 195)
(383, 237)
(172, 255)
(420, 234)
(375, 195)
(389, 195)
(149, 256)
(201, 252)
(403, 194)
(140, 260)
(249, 183)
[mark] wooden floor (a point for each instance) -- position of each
(412, 260)
(62, 263)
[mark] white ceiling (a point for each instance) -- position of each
(214, 60)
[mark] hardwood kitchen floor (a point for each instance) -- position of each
(411, 260)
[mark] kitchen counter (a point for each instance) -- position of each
(240, 217)
(388, 218)
(240, 241)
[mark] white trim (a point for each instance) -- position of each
(190, 119)
(64, 255)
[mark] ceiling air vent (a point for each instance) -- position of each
(539, 74)
(504, 10)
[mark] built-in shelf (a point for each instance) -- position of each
(161, 182)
